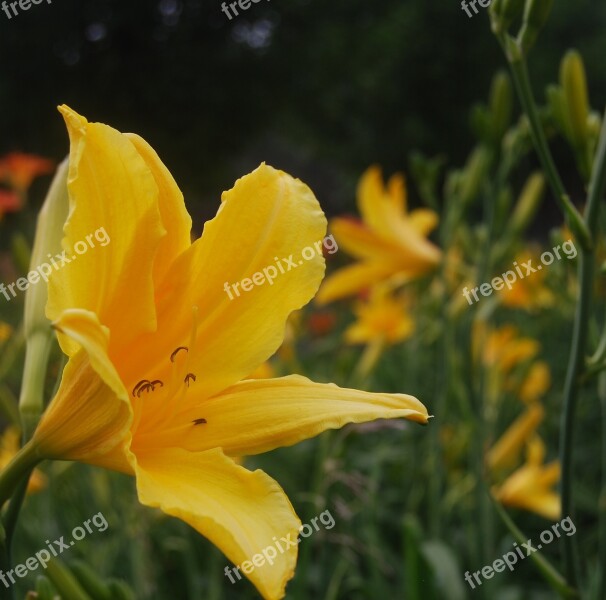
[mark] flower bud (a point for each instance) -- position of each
(535, 16)
(501, 104)
(503, 13)
(528, 203)
(574, 85)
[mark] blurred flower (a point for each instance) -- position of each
(390, 244)
(19, 169)
(5, 331)
(531, 486)
(321, 322)
(382, 317)
(505, 453)
(157, 351)
(503, 348)
(530, 292)
(536, 383)
(10, 202)
(9, 446)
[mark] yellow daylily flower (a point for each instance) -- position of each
(505, 453)
(391, 245)
(530, 292)
(158, 352)
(382, 317)
(536, 383)
(505, 349)
(531, 486)
(9, 446)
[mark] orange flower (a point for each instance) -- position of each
(19, 169)
(9, 202)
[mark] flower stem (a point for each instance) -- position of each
(19, 467)
(521, 79)
(597, 188)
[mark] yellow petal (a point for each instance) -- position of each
(111, 236)
(267, 217)
(239, 511)
(507, 449)
(91, 413)
(359, 241)
(423, 220)
(396, 192)
(353, 279)
(175, 218)
(259, 415)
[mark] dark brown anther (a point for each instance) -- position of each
(190, 377)
(200, 422)
(156, 383)
(140, 386)
(174, 354)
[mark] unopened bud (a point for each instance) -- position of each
(501, 104)
(574, 84)
(503, 13)
(528, 203)
(536, 13)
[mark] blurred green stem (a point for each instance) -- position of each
(602, 497)
(597, 188)
(519, 71)
(21, 464)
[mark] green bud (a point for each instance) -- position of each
(474, 174)
(503, 13)
(536, 13)
(38, 333)
(67, 585)
(91, 582)
(528, 203)
(559, 110)
(45, 589)
(574, 86)
(501, 104)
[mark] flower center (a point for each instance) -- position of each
(155, 401)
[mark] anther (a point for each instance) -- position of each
(139, 386)
(190, 377)
(156, 383)
(200, 422)
(174, 354)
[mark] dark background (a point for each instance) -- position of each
(321, 89)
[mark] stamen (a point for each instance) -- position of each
(190, 377)
(156, 383)
(179, 349)
(200, 422)
(142, 383)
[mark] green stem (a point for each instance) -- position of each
(597, 189)
(602, 497)
(522, 82)
(19, 467)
